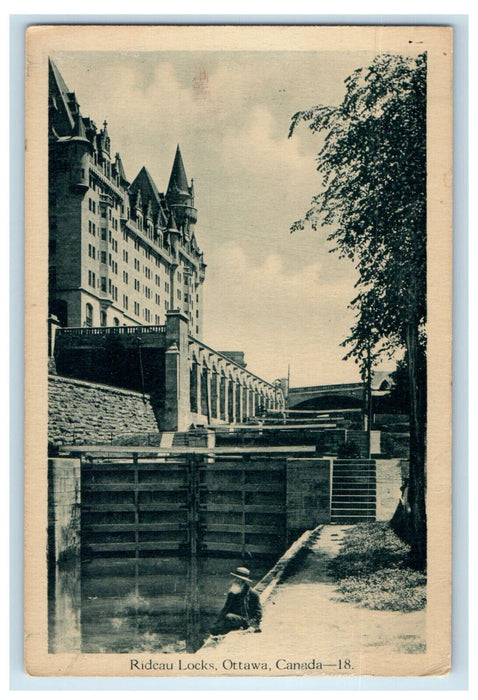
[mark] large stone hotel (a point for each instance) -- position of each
(125, 287)
(121, 252)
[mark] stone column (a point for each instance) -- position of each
(176, 412)
(53, 325)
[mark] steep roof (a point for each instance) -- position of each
(120, 168)
(178, 182)
(146, 184)
(64, 121)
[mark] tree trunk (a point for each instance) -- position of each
(418, 428)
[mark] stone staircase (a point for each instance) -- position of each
(181, 439)
(354, 491)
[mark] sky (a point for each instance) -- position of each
(281, 298)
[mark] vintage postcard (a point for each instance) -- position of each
(238, 351)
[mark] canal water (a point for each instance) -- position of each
(113, 605)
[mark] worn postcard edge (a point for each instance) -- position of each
(437, 41)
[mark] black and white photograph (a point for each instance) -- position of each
(238, 314)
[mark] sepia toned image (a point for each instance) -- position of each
(238, 343)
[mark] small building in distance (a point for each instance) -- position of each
(121, 253)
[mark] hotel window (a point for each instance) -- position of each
(166, 286)
(89, 316)
(157, 320)
(136, 264)
(91, 278)
(103, 318)
(103, 234)
(103, 284)
(147, 315)
(147, 292)
(136, 308)
(125, 277)
(136, 285)
(116, 321)
(91, 251)
(125, 301)
(157, 299)
(103, 257)
(157, 280)
(125, 256)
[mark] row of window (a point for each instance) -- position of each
(137, 285)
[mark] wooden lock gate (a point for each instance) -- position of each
(183, 505)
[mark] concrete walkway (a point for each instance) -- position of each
(303, 621)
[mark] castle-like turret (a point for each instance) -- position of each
(180, 196)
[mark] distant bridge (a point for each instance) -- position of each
(338, 396)
(327, 396)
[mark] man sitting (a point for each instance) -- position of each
(242, 609)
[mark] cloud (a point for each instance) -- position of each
(276, 316)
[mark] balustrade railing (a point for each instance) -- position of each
(112, 330)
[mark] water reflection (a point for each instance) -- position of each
(140, 605)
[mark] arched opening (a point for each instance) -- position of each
(89, 316)
(230, 400)
(214, 379)
(238, 402)
(59, 308)
(222, 397)
(204, 390)
(193, 388)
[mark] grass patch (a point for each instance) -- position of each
(371, 570)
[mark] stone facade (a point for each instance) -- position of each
(64, 509)
(81, 413)
(308, 495)
(187, 381)
(120, 252)
(389, 481)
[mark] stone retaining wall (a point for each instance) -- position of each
(64, 509)
(81, 413)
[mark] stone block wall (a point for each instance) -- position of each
(389, 480)
(308, 495)
(81, 413)
(64, 509)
